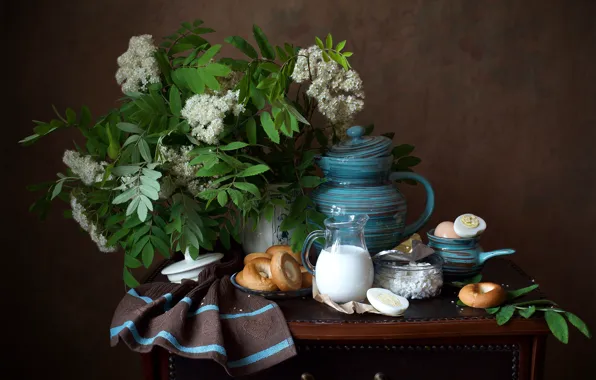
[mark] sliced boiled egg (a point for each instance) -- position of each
(387, 302)
(469, 225)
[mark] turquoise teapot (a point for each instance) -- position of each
(360, 181)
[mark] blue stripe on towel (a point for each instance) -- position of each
(134, 293)
(261, 354)
(202, 309)
(167, 336)
(239, 315)
(186, 300)
(168, 305)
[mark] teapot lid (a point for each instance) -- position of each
(359, 146)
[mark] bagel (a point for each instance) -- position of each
(284, 248)
(306, 280)
(482, 295)
(256, 275)
(256, 255)
(285, 271)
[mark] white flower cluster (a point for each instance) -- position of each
(78, 214)
(138, 66)
(182, 174)
(338, 92)
(88, 170)
(205, 114)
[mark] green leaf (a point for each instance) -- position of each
(84, 117)
(129, 279)
(297, 114)
(253, 170)
(153, 174)
(115, 219)
(281, 54)
(234, 145)
(131, 262)
(141, 232)
(269, 66)
(268, 212)
(131, 139)
(340, 45)
(125, 170)
(148, 181)
(144, 150)
(132, 207)
(71, 116)
(222, 198)
(251, 131)
(460, 303)
(175, 102)
(224, 237)
(125, 196)
(257, 96)
(236, 196)
(505, 314)
(347, 54)
(402, 150)
(409, 161)
(493, 310)
(473, 280)
(218, 70)
(197, 22)
(57, 189)
(117, 236)
(246, 186)
(527, 312)
(319, 43)
(202, 30)
(579, 324)
(129, 127)
(150, 192)
(210, 53)
(241, 44)
(141, 209)
(266, 83)
(161, 246)
(520, 292)
(220, 168)
(329, 41)
(311, 181)
(209, 80)
(557, 325)
(202, 158)
(266, 49)
(147, 255)
(325, 57)
(269, 127)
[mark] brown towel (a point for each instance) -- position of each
(208, 319)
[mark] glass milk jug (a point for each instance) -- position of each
(344, 269)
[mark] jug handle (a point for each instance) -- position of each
(306, 249)
(430, 200)
(483, 256)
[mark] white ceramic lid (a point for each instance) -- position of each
(186, 265)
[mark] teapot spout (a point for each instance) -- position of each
(483, 256)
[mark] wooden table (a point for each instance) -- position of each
(435, 339)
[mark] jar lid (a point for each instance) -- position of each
(359, 146)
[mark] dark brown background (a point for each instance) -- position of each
(498, 97)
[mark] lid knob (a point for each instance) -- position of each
(356, 132)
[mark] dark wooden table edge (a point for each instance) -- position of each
(412, 330)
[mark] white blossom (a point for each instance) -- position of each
(79, 215)
(338, 92)
(138, 66)
(205, 114)
(181, 172)
(88, 170)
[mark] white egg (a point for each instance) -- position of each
(469, 225)
(387, 302)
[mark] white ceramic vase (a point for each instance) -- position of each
(266, 233)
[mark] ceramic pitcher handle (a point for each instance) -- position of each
(306, 249)
(430, 200)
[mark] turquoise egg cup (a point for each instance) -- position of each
(463, 257)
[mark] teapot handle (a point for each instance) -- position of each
(430, 200)
(306, 249)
